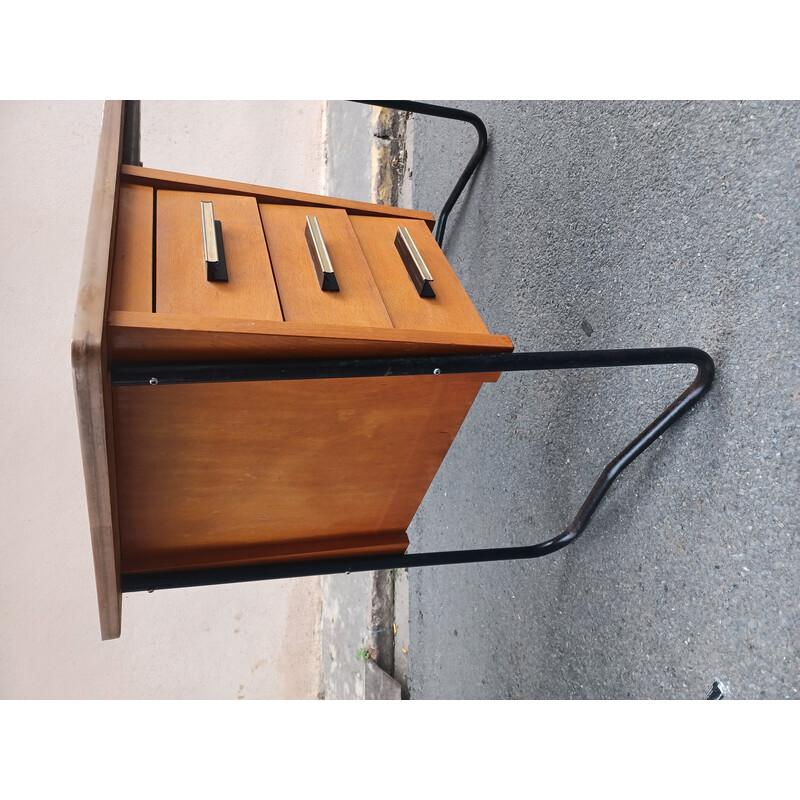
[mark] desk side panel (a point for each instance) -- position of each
(278, 465)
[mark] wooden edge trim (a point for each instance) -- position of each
(340, 546)
(90, 373)
(118, 320)
(161, 179)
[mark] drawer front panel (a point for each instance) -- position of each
(182, 286)
(357, 301)
(449, 310)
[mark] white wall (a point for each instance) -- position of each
(254, 640)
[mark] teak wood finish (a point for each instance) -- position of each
(357, 302)
(450, 310)
(188, 476)
(161, 179)
(181, 284)
(155, 338)
(348, 462)
(90, 373)
(132, 288)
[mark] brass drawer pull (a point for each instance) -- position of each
(417, 268)
(319, 255)
(216, 269)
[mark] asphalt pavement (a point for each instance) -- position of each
(595, 225)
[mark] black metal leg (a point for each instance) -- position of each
(132, 133)
(447, 113)
(504, 362)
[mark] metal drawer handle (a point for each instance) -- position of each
(417, 268)
(319, 255)
(216, 269)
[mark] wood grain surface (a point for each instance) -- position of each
(92, 396)
(181, 284)
(373, 544)
(132, 275)
(162, 179)
(358, 301)
(252, 467)
(153, 338)
(450, 310)
(217, 474)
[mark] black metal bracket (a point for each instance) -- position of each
(157, 374)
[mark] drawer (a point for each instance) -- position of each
(449, 310)
(181, 284)
(356, 299)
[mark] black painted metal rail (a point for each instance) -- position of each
(157, 374)
(429, 109)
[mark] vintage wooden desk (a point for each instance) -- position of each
(267, 381)
(199, 475)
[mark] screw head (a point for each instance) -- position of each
(153, 381)
(437, 371)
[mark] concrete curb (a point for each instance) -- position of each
(379, 684)
(390, 159)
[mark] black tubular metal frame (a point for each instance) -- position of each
(155, 375)
(428, 109)
(158, 374)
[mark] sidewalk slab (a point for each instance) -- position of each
(345, 601)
